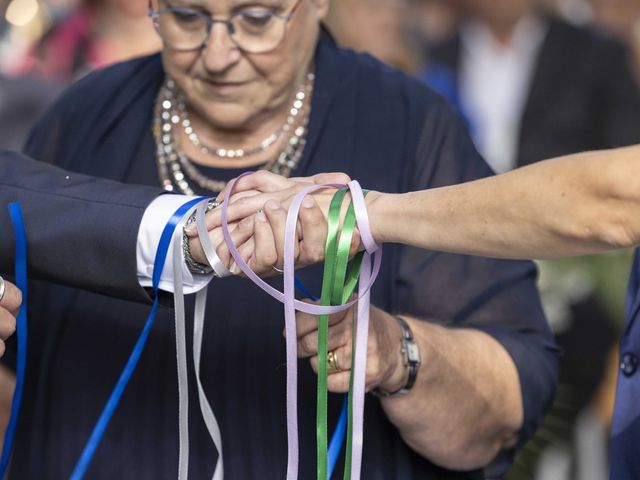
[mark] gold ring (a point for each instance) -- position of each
(332, 362)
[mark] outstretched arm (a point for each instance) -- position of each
(573, 205)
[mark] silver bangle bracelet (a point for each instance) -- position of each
(193, 265)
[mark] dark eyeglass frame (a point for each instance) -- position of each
(155, 14)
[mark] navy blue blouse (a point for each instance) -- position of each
(373, 122)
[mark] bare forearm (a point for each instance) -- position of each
(572, 205)
(466, 404)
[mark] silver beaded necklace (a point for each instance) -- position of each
(195, 139)
(175, 169)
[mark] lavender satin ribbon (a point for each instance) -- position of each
(368, 275)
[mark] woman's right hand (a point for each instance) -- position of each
(10, 302)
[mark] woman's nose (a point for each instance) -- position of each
(220, 51)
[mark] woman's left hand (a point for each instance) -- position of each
(385, 365)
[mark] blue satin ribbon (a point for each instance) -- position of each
(125, 376)
(337, 439)
(21, 282)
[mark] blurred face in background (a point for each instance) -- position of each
(618, 16)
(379, 27)
(437, 19)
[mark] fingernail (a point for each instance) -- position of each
(234, 268)
(261, 217)
(308, 202)
(272, 205)
(189, 229)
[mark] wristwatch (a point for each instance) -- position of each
(412, 361)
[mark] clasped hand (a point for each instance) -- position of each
(257, 216)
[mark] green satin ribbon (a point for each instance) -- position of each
(337, 287)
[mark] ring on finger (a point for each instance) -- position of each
(2, 288)
(277, 269)
(332, 362)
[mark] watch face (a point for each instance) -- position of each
(413, 352)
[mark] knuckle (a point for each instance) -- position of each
(261, 174)
(245, 223)
(307, 344)
(341, 177)
(373, 368)
(269, 258)
(317, 253)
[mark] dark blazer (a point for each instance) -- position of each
(583, 95)
(76, 226)
(378, 125)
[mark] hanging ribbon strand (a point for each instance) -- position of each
(115, 397)
(21, 368)
(338, 286)
(368, 274)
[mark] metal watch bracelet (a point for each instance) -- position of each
(412, 361)
(192, 264)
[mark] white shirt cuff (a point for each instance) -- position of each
(153, 222)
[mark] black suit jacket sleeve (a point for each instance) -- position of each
(81, 231)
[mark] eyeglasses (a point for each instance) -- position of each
(253, 30)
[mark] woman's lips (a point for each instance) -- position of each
(223, 87)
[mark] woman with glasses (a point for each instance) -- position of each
(261, 85)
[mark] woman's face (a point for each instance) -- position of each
(231, 90)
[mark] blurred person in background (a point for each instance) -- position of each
(381, 28)
(398, 32)
(621, 17)
(534, 86)
(95, 34)
(577, 12)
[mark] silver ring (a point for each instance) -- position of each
(277, 269)
(2, 288)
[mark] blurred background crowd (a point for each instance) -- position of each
(532, 78)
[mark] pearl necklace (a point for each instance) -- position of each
(175, 169)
